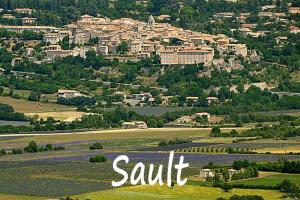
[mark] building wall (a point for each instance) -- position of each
(169, 58)
(186, 57)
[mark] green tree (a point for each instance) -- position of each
(34, 96)
(122, 48)
(226, 187)
(215, 131)
(31, 148)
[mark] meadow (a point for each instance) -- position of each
(270, 180)
(24, 106)
(187, 192)
(20, 197)
(66, 116)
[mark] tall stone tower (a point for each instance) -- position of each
(151, 22)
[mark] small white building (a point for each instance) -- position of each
(69, 94)
(142, 96)
(211, 100)
(184, 119)
(201, 115)
(102, 50)
(24, 10)
(28, 20)
(207, 173)
(134, 125)
(192, 99)
(8, 16)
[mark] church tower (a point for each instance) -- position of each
(151, 22)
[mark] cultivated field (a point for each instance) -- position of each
(55, 174)
(24, 106)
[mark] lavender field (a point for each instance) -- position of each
(198, 160)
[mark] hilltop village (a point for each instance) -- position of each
(173, 45)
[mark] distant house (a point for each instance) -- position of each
(131, 102)
(192, 99)
(28, 20)
(184, 119)
(16, 60)
(294, 29)
(211, 100)
(250, 26)
(102, 50)
(207, 173)
(164, 17)
(266, 14)
(281, 40)
(231, 172)
(201, 115)
(210, 173)
(151, 100)
(122, 94)
(268, 7)
(142, 56)
(69, 94)
(223, 15)
(24, 10)
(8, 16)
(134, 125)
(166, 100)
(142, 96)
(294, 10)
(280, 15)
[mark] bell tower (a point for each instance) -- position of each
(151, 22)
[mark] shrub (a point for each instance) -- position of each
(215, 132)
(285, 186)
(226, 187)
(6, 108)
(290, 188)
(77, 101)
(2, 152)
(49, 147)
(95, 146)
(98, 158)
(16, 151)
(34, 96)
(59, 148)
(162, 144)
(31, 148)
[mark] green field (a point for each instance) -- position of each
(20, 197)
(271, 180)
(115, 135)
(187, 192)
